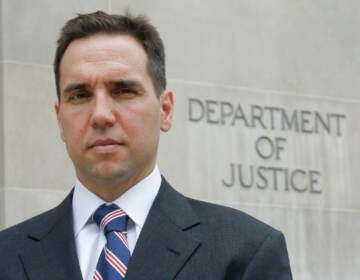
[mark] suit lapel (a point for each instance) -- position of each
(165, 240)
(51, 252)
(164, 246)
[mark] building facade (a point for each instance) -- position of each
(267, 110)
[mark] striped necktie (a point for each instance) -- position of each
(114, 258)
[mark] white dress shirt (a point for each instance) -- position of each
(136, 202)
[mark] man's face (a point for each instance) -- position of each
(109, 115)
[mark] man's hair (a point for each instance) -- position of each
(139, 27)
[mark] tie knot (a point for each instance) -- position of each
(110, 218)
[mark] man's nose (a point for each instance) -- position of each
(103, 111)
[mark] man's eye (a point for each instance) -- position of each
(79, 96)
(124, 91)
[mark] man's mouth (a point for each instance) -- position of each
(105, 145)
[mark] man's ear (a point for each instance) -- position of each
(166, 110)
(58, 117)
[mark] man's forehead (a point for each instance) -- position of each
(115, 54)
(108, 43)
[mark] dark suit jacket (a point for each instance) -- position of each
(182, 238)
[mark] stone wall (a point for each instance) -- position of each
(266, 117)
(2, 202)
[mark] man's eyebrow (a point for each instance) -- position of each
(125, 84)
(75, 86)
(120, 83)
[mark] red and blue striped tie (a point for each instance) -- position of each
(114, 258)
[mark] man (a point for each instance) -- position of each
(112, 105)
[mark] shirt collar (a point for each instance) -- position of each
(136, 201)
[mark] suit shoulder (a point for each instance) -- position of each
(37, 226)
(235, 233)
(40, 224)
(17, 231)
(225, 218)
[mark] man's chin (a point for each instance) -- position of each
(109, 175)
(105, 174)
